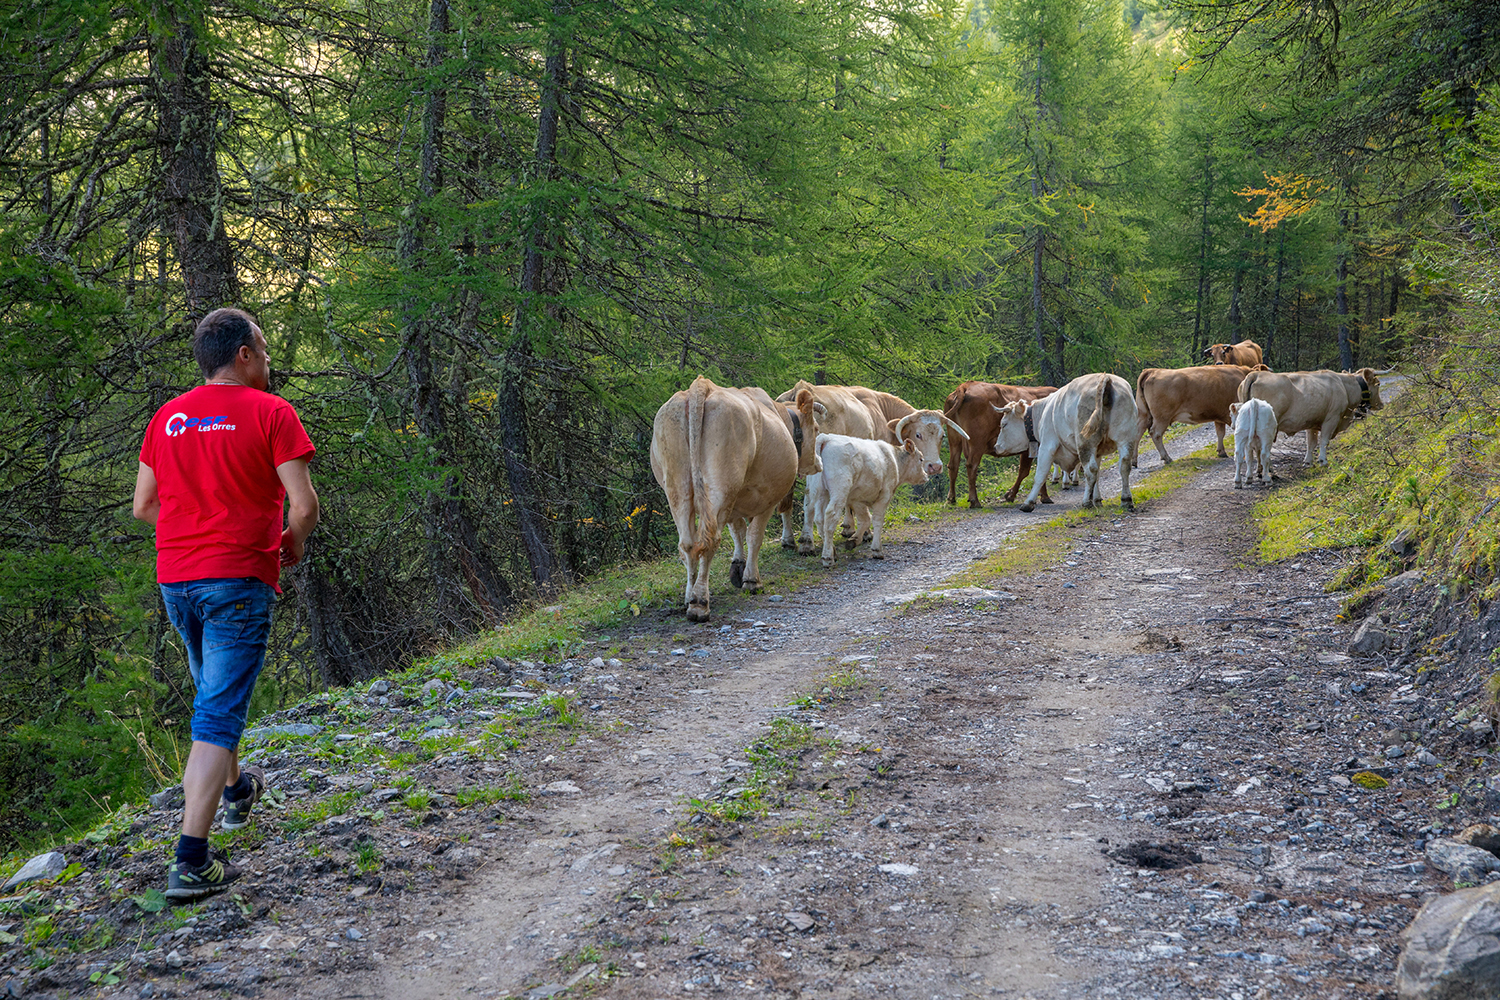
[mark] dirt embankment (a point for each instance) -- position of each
(1128, 775)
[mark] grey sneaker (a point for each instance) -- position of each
(187, 882)
(237, 814)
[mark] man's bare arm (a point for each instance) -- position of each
(147, 503)
(302, 516)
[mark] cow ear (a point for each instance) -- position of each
(909, 447)
(1234, 411)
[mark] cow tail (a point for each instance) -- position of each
(697, 398)
(1142, 411)
(1247, 386)
(1098, 421)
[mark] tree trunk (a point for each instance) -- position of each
(529, 314)
(1205, 287)
(191, 189)
(1276, 295)
(1341, 297)
(456, 557)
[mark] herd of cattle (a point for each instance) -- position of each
(727, 456)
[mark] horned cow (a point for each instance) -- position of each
(855, 411)
(972, 407)
(1323, 403)
(1070, 427)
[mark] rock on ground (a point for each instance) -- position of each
(1452, 948)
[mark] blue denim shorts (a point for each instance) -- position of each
(224, 624)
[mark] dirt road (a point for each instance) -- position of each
(944, 786)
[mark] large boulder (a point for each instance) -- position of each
(1469, 865)
(1451, 951)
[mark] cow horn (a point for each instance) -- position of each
(1385, 371)
(819, 408)
(963, 434)
(900, 427)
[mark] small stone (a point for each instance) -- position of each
(49, 865)
(353, 934)
(147, 992)
(899, 869)
(547, 990)
(1072, 586)
(561, 788)
(863, 658)
(679, 652)
(1393, 752)
(597, 661)
(380, 687)
(800, 921)
(434, 686)
(1369, 639)
(1430, 759)
(173, 960)
(1404, 544)
(289, 729)
(881, 821)
(614, 663)
(775, 598)
(167, 798)
(1467, 865)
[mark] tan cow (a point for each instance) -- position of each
(1323, 403)
(856, 411)
(1246, 352)
(972, 407)
(1071, 427)
(1167, 396)
(728, 456)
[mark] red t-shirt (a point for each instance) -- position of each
(214, 451)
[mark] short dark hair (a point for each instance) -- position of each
(219, 337)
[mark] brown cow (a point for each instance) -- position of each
(1167, 396)
(856, 411)
(728, 456)
(972, 407)
(1246, 352)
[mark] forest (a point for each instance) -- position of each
(487, 238)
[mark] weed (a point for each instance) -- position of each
(514, 790)
(367, 855)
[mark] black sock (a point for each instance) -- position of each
(239, 790)
(192, 850)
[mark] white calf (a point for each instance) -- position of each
(1254, 430)
(860, 475)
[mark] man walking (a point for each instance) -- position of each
(216, 465)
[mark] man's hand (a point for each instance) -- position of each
(292, 548)
(303, 515)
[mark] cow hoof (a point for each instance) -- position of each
(697, 613)
(752, 586)
(1045, 500)
(828, 564)
(1238, 485)
(788, 544)
(876, 555)
(975, 505)
(1125, 502)
(1027, 508)
(737, 573)
(805, 548)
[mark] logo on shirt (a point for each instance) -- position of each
(180, 423)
